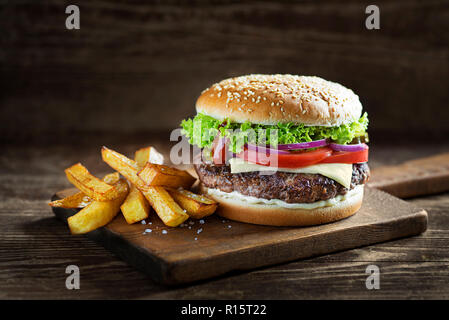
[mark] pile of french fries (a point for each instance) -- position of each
(148, 183)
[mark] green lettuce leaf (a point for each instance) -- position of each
(202, 129)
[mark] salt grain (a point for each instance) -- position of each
(143, 222)
(164, 231)
(202, 221)
(148, 230)
(199, 230)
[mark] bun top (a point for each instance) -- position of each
(269, 99)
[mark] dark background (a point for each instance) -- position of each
(138, 66)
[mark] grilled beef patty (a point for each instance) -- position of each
(289, 187)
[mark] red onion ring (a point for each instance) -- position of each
(303, 145)
(265, 150)
(348, 147)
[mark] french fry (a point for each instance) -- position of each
(79, 199)
(98, 213)
(112, 178)
(136, 207)
(160, 175)
(90, 185)
(166, 208)
(127, 167)
(148, 154)
(197, 206)
(161, 201)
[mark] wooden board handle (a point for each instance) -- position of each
(412, 178)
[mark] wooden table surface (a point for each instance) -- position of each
(36, 248)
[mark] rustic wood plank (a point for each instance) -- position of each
(148, 62)
(309, 280)
(414, 177)
(35, 247)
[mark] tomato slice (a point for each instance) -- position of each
(347, 157)
(219, 151)
(294, 159)
(221, 154)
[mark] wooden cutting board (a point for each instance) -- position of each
(220, 246)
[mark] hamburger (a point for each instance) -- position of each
(281, 150)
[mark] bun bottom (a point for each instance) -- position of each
(262, 214)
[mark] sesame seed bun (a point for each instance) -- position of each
(240, 210)
(269, 99)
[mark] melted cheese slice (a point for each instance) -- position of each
(340, 172)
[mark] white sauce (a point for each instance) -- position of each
(279, 203)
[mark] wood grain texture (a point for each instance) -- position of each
(148, 62)
(217, 247)
(413, 178)
(35, 248)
